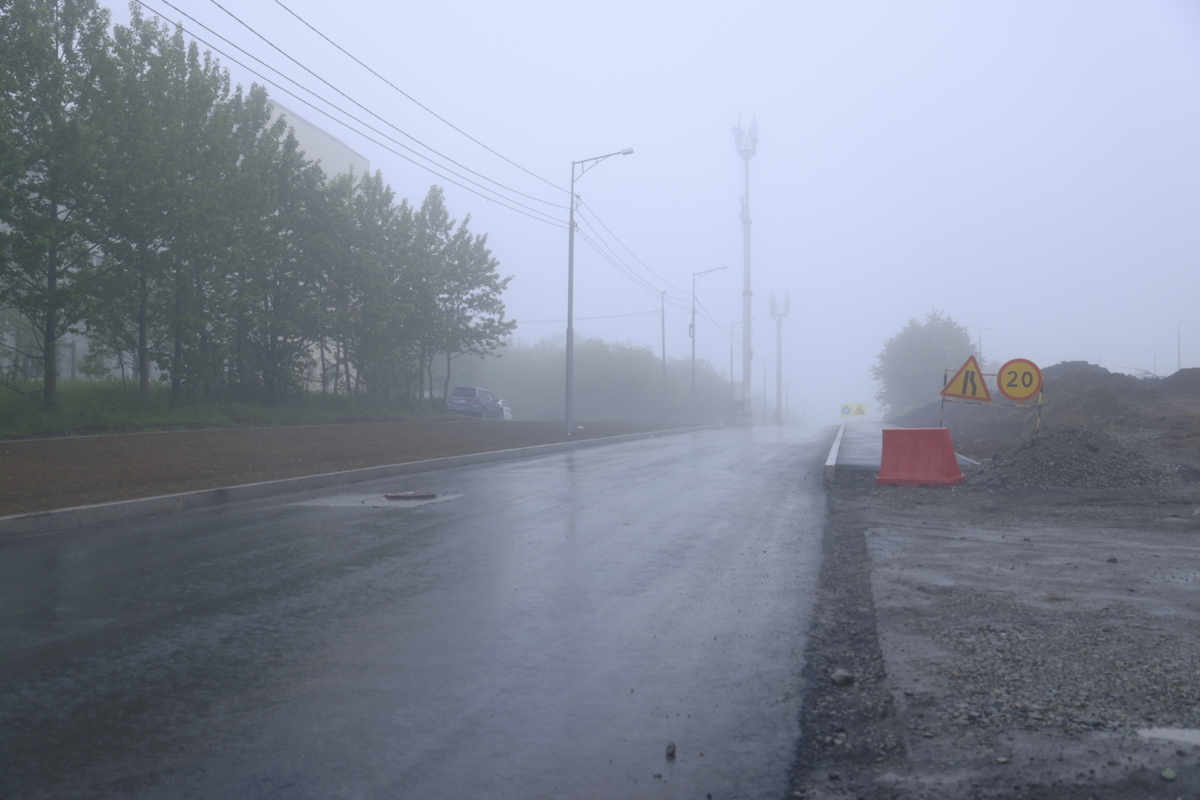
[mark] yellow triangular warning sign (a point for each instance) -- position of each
(860, 410)
(968, 383)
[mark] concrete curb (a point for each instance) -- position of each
(831, 462)
(61, 519)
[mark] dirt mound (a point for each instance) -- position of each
(1184, 383)
(1072, 457)
(1076, 393)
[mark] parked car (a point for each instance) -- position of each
(472, 401)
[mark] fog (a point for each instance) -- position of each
(1030, 169)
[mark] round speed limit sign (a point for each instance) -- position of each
(1019, 379)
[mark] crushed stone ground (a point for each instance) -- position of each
(1007, 643)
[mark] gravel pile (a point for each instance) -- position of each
(1072, 457)
(1075, 672)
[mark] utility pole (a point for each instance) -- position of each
(1178, 346)
(692, 332)
(732, 389)
(764, 392)
(746, 143)
(585, 165)
(779, 314)
(979, 346)
(663, 312)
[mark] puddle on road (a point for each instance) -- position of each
(374, 500)
(1184, 735)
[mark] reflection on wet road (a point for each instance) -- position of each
(543, 629)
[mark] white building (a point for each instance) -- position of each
(334, 155)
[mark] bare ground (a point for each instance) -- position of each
(1005, 643)
(40, 474)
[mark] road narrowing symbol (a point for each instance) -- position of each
(968, 383)
(1019, 379)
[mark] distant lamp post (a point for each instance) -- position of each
(584, 165)
(779, 312)
(662, 310)
(692, 333)
(979, 345)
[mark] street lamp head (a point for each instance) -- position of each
(628, 151)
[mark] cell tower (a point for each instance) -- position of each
(746, 143)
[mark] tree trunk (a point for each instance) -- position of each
(143, 339)
(324, 377)
(177, 352)
(50, 330)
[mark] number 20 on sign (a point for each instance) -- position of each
(1019, 379)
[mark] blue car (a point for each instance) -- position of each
(472, 401)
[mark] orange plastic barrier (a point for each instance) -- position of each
(918, 457)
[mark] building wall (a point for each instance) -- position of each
(318, 145)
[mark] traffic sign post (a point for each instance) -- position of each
(853, 410)
(1019, 379)
(968, 383)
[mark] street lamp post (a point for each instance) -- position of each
(585, 165)
(692, 333)
(662, 301)
(732, 390)
(779, 313)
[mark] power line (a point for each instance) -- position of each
(289, 57)
(546, 219)
(637, 281)
(414, 100)
(625, 268)
(609, 316)
(627, 250)
(706, 315)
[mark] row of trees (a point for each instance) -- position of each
(151, 207)
(613, 380)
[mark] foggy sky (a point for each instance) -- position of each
(1026, 167)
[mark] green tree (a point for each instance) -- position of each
(55, 54)
(470, 307)
(910, 367)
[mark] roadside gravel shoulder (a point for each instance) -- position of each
(1004, 643)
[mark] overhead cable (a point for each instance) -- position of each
(627, 250)
(577, 319)
(417, 102)
(405, 133)
(544, 218)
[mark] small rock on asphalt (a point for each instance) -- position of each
(841, 677)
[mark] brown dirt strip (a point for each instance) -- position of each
(41, 474)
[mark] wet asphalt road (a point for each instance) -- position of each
(542, 630)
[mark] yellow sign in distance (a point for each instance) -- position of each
(1019, 379)
(853, 409)
(968, 383)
